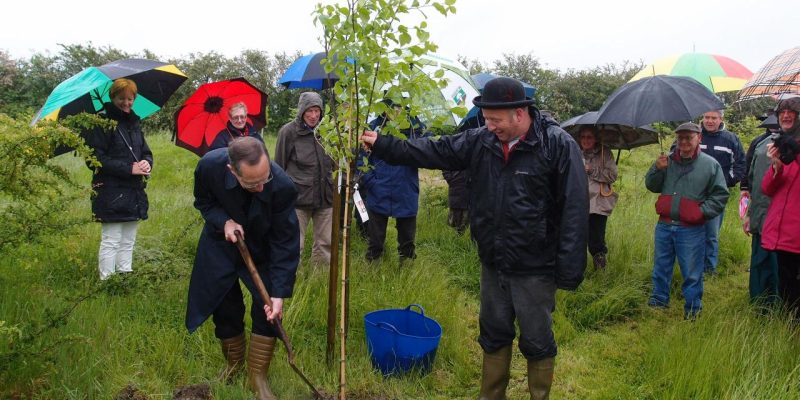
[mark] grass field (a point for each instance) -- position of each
(66, 335)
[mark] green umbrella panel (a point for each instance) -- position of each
(87, 90)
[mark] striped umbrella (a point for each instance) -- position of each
(717, 73)
(87, 90)
(308, 72)
(780, 75)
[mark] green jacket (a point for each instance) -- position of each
(759, 202)
(692, 190)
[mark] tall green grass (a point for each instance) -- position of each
(76, 338)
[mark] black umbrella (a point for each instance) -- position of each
(615, 136)
(658, 98)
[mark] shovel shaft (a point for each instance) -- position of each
(262, 291)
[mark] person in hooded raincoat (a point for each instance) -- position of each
(300, 154)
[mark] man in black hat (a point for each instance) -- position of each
(528, 203)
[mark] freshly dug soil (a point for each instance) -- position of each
(200, 391)
(130, 392)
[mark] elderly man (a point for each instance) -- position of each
(528, 211)
(692, 191)
(300, 154)
(238, 189)
(725, 147)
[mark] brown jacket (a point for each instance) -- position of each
(299, 153)
(603, 173)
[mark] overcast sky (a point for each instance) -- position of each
(562, 34)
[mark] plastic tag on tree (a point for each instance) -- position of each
(360, 206)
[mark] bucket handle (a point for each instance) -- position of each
(387, 326)
(421, 310)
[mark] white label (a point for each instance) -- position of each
(360, 206)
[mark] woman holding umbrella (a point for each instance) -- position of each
(125, 160)
(236, 127)
(602, 172)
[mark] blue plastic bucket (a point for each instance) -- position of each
(401, 339)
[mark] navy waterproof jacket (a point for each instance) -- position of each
(270, 230)
(392, 190)
(725, 147)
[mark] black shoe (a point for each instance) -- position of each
(599, 260)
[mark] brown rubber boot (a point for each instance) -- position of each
(540, 378)
(233, 349)
(495, 374)
(261, 350)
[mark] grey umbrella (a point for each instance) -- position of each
(658, 98)
(615, 136)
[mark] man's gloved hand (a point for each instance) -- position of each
(788, 148)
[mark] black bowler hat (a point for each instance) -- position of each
(502, 92)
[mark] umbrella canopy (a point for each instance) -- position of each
(87, 90)
(459, 90)
(473, 119)
(205, 113)
(715, 72)
(780, 75)
(615, 136)
(657, 98)
(308, 72)
(483, 77)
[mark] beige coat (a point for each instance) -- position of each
(602, 173)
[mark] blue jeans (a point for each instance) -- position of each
(687, 245)
(712, 242)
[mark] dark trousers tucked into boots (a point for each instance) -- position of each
(540, 378)
(258, 358)
(495, 374)
(233, 349)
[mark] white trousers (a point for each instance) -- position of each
(116, 247)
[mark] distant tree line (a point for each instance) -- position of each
(25, 83)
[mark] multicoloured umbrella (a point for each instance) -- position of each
(780, 75)
(717, 73)
(459, 91)
(205, 113)
(308, 72)
(87, 90)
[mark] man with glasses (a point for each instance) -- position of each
(692, 191)
(239, 189)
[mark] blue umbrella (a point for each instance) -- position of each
(308, 72)
(481, 79)
(473, 119)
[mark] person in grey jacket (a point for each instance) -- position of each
(300, 154)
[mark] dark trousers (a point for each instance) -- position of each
(530, 300)
(458, 218)
(229, 316)
(376, 230)
(597, 234)
(788, 281)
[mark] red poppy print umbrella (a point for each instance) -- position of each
(205, 112)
